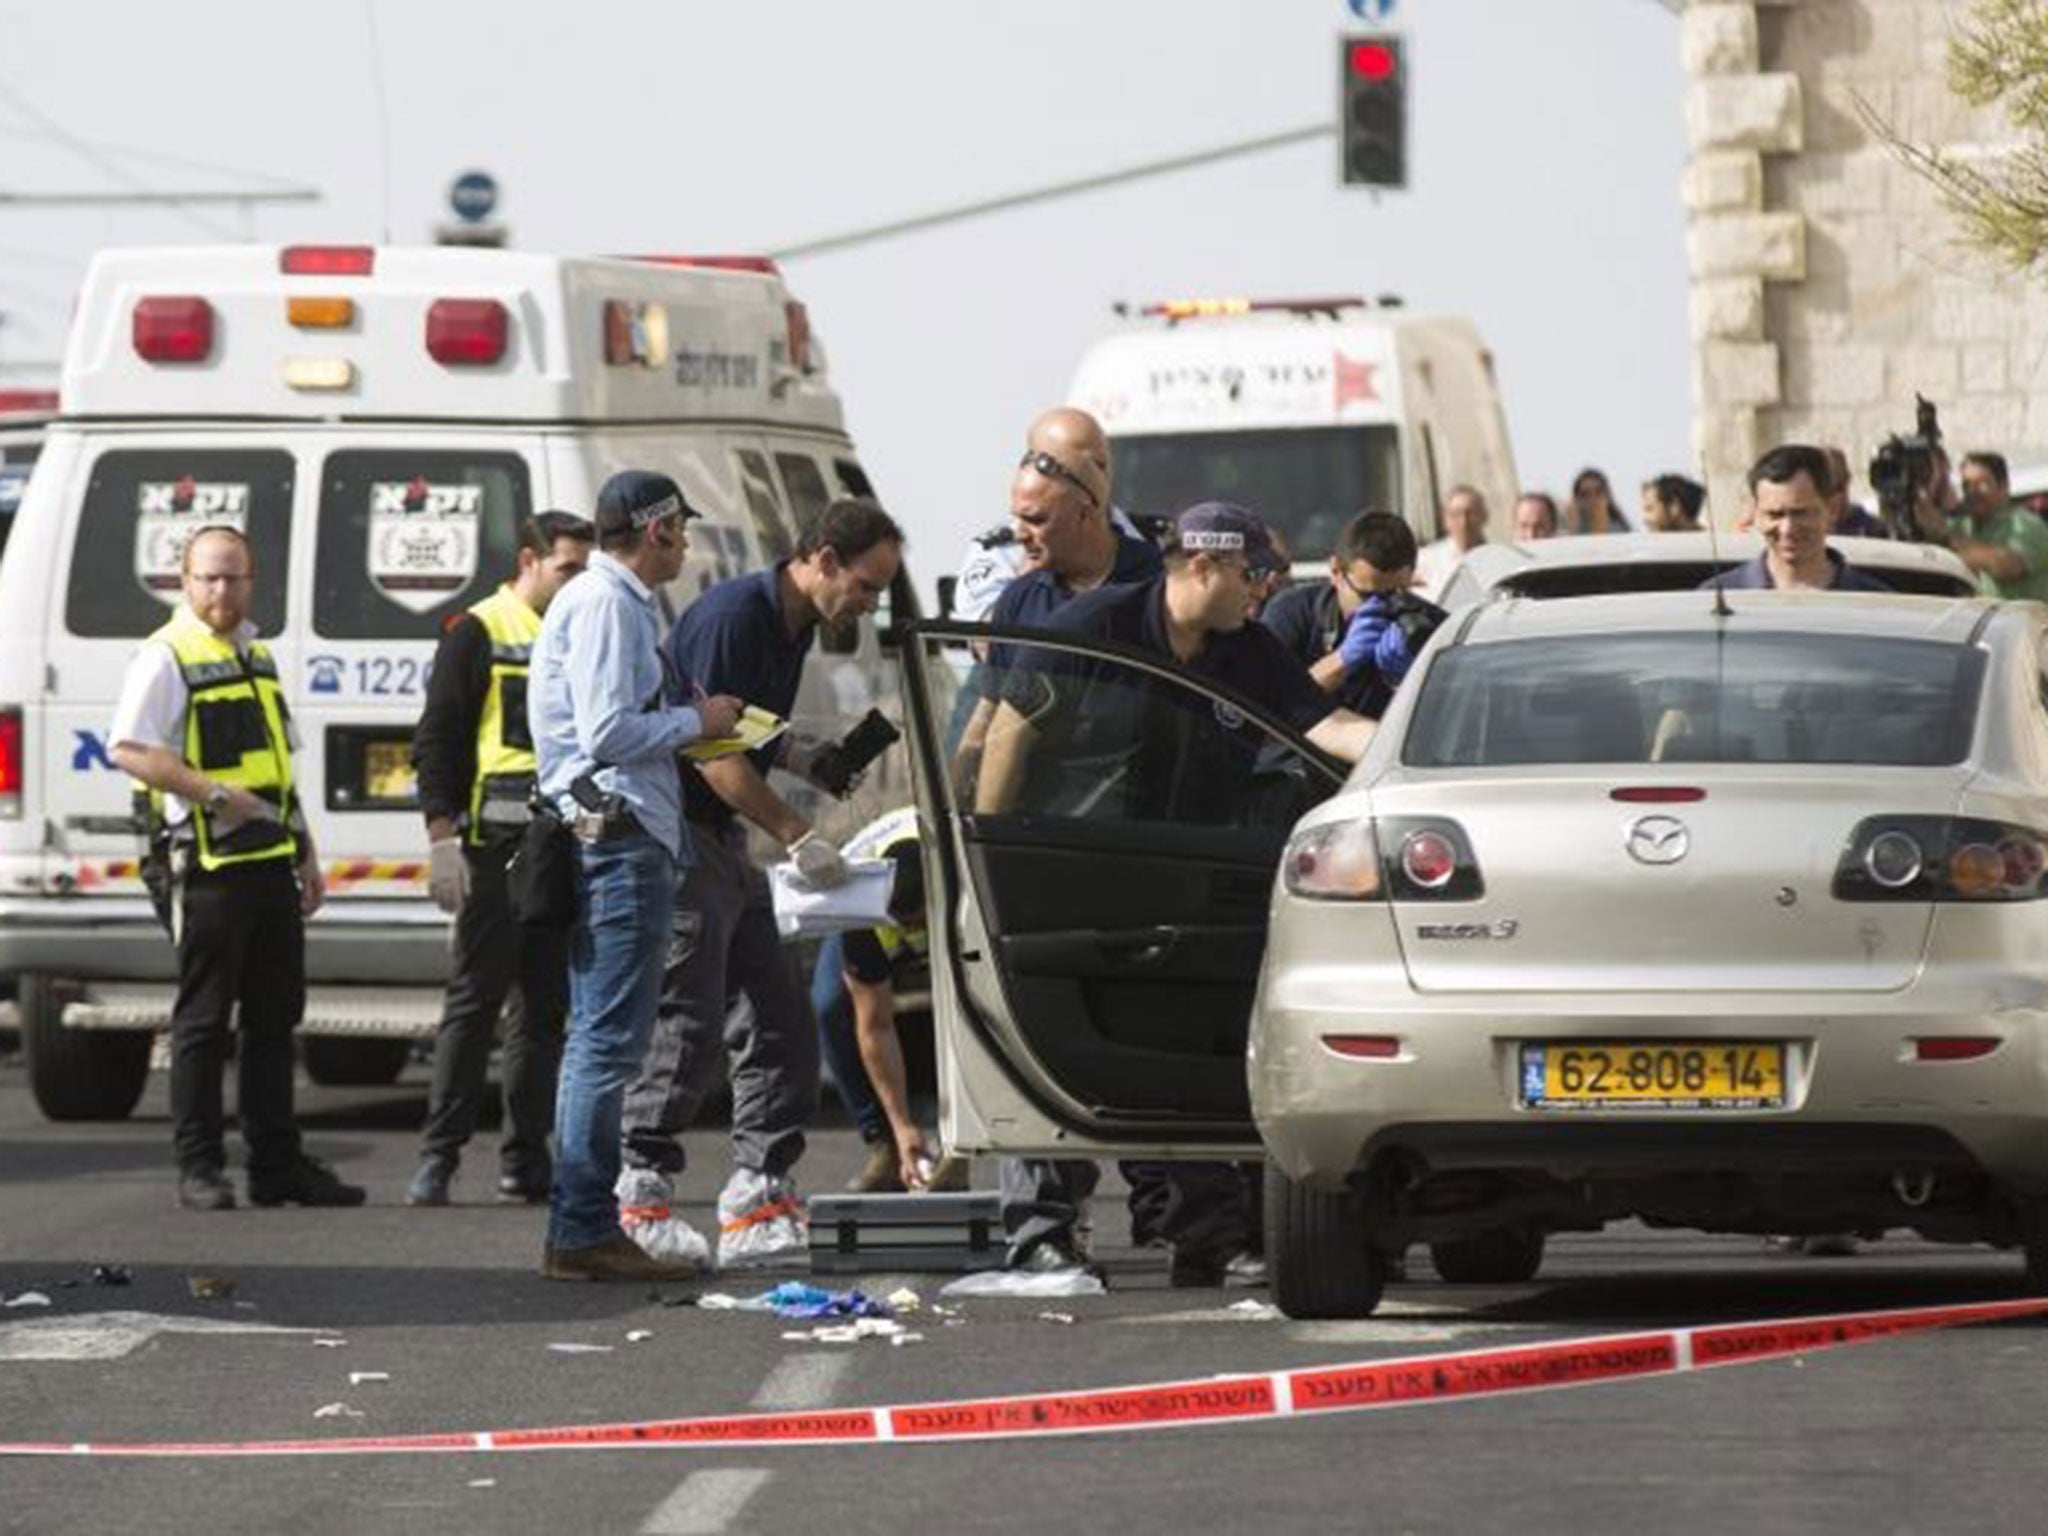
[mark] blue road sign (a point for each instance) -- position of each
(473, 196)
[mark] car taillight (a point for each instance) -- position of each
(1338, 861)
(173, 328)
(1954, 1047)
(10, 765)
(1942, 858)
(1402, 858)
(467, 332)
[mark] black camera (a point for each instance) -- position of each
(1903, 470)
(839, 766)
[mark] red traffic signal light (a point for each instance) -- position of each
(1373, 110)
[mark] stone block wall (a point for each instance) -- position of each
(1828, 282)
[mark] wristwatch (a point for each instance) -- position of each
(216, 797)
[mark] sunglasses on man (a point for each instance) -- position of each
(1053, 469)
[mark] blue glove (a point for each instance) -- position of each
(1392, 656)
(1364, 635)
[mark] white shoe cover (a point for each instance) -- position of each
(761, 1222)
(646, 1216)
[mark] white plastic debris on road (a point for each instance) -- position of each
(337, 1411)
(903, 1301)
(27, 1299)
(639, 1335)
(357, 1378)
(1027, 1283)
(581, 1349)
(329, 1343)
(853, 1331)
(1254, 1310)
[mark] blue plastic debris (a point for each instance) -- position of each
(794, 1299)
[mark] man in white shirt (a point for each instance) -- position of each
(1464, 524)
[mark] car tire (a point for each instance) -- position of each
(78, 1074)
(338, 1061)
(1507, 1256)
(1320, 1260)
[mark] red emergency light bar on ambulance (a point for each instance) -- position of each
(378, 421)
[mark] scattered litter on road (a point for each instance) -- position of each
(903, 1301)
(581, 1349)
(1066, 1318)
(712, 1301)
(112, 1274)
(329, 1343)
(483, 1482)
(1024, 1282)
(794, 1299)
(639, 1335)
(357, 1378)
(853, 1332)
(28, 1299)
(337, 1411)
(1254, 1310)
(210, 1287)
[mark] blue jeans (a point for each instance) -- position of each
(833, 1005)
(624, 890)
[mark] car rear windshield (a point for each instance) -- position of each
(1683, 575)
(1306, 482)
(143, 505)
(410, 536)
(1696, 698)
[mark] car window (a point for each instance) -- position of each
(1307, 482)
(1594, 580)
(141, 507)
(1696, 697)
(806, 486)
(409, 537)
(1083, 737)
(762, 506)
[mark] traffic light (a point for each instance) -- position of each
(1373, 98)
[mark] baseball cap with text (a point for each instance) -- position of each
(635, 498)
(1224, 528)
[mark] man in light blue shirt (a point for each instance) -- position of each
(595, 709)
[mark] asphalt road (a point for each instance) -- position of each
(1933, 1432)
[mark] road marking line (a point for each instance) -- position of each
(1343, 1387)
(705, 1503)
(803, 1381)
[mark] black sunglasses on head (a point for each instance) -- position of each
(1053, 469)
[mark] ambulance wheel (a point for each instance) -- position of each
(1320, 1259)
(1504, 1257)
(341, 1062)
(78, 1074)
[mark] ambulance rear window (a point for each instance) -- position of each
(142, 505)
(806, 486)
(409, 537)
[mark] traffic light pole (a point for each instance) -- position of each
(1056, 190)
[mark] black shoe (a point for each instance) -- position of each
(524, 1188)
(1055, 1256)
(429, 1185)
(305, 1181)
(204, 1189)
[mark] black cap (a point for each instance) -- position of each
(634, 498)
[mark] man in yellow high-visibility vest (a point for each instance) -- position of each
(203, 727)
(474, 756)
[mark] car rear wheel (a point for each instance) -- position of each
(78, 1074)
(1319, 1257)
(341, 1062)
(1504, 1257)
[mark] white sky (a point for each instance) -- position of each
(1546, 147)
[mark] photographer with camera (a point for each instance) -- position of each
(750, 636)
(1359, 633)
(2004, 543)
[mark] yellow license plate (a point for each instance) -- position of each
(1661, 1074)
(387, 770)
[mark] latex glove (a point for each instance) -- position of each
(1392, 656)
(1362, 636)
(447, 874)
(819, 863)
(914, 1159)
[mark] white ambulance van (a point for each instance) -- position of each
(1309, 411)
(378, 421)
(24, 417)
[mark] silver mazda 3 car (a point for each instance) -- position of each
(1719, 914)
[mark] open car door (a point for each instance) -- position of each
(1102, 832)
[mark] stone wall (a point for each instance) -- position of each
(1828, 282)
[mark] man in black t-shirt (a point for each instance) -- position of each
(1359, 633)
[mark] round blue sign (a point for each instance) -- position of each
(473, 196)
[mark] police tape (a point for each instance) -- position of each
(1305, 1393)
(339, 874)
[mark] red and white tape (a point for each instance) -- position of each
(1303, 1393)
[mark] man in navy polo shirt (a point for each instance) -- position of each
(1069, 739)
(1788, 490)
(748, 636)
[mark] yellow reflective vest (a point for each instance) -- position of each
(505, 762)
(236, 733)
